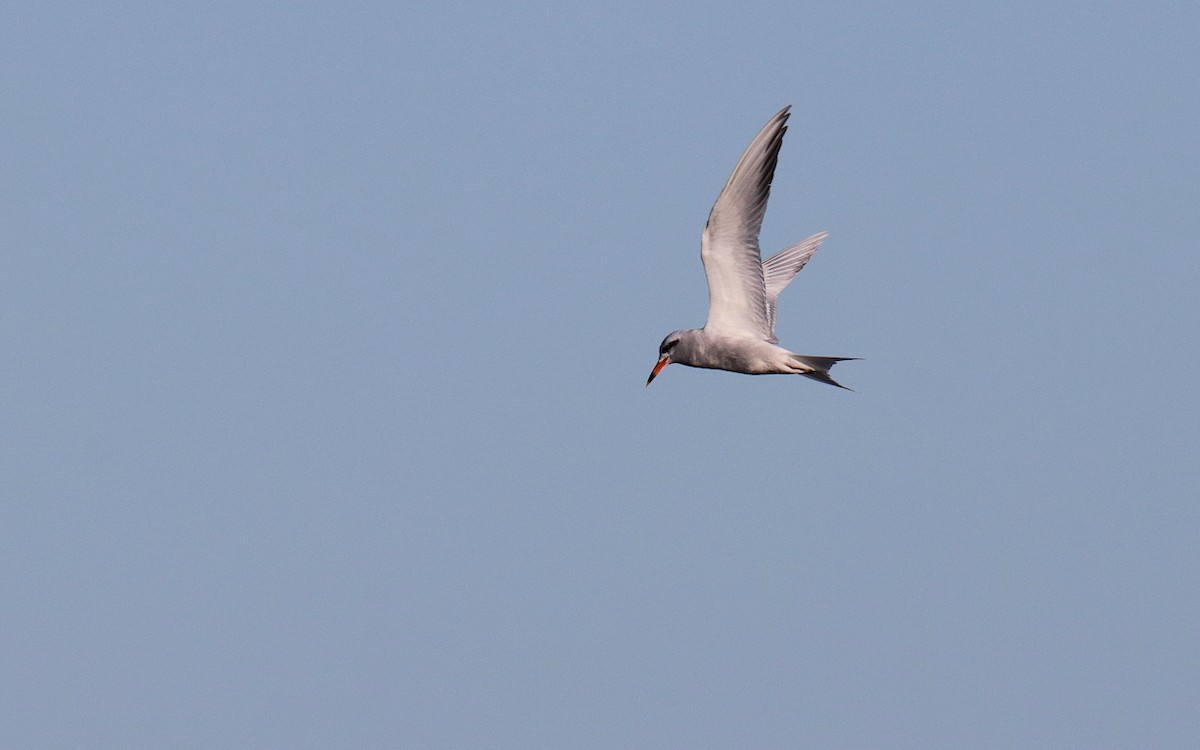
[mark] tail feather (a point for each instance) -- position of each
(820, 368)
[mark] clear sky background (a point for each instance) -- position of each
(324, 331)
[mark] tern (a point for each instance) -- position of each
(739, 334)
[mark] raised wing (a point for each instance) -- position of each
(737, 295)
(782, 267)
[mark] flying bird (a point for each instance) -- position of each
(739, 335)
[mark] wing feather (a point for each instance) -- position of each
(782, 267)
(737, 292)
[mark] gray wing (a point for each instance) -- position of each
(737, 294)
(782, 267)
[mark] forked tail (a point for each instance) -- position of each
(819, 368)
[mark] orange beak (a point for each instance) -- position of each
(658, 368)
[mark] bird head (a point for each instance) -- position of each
(664, 353)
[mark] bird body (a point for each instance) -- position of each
(698, 348)
(739, 335)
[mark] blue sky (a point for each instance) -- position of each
(326, 326)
